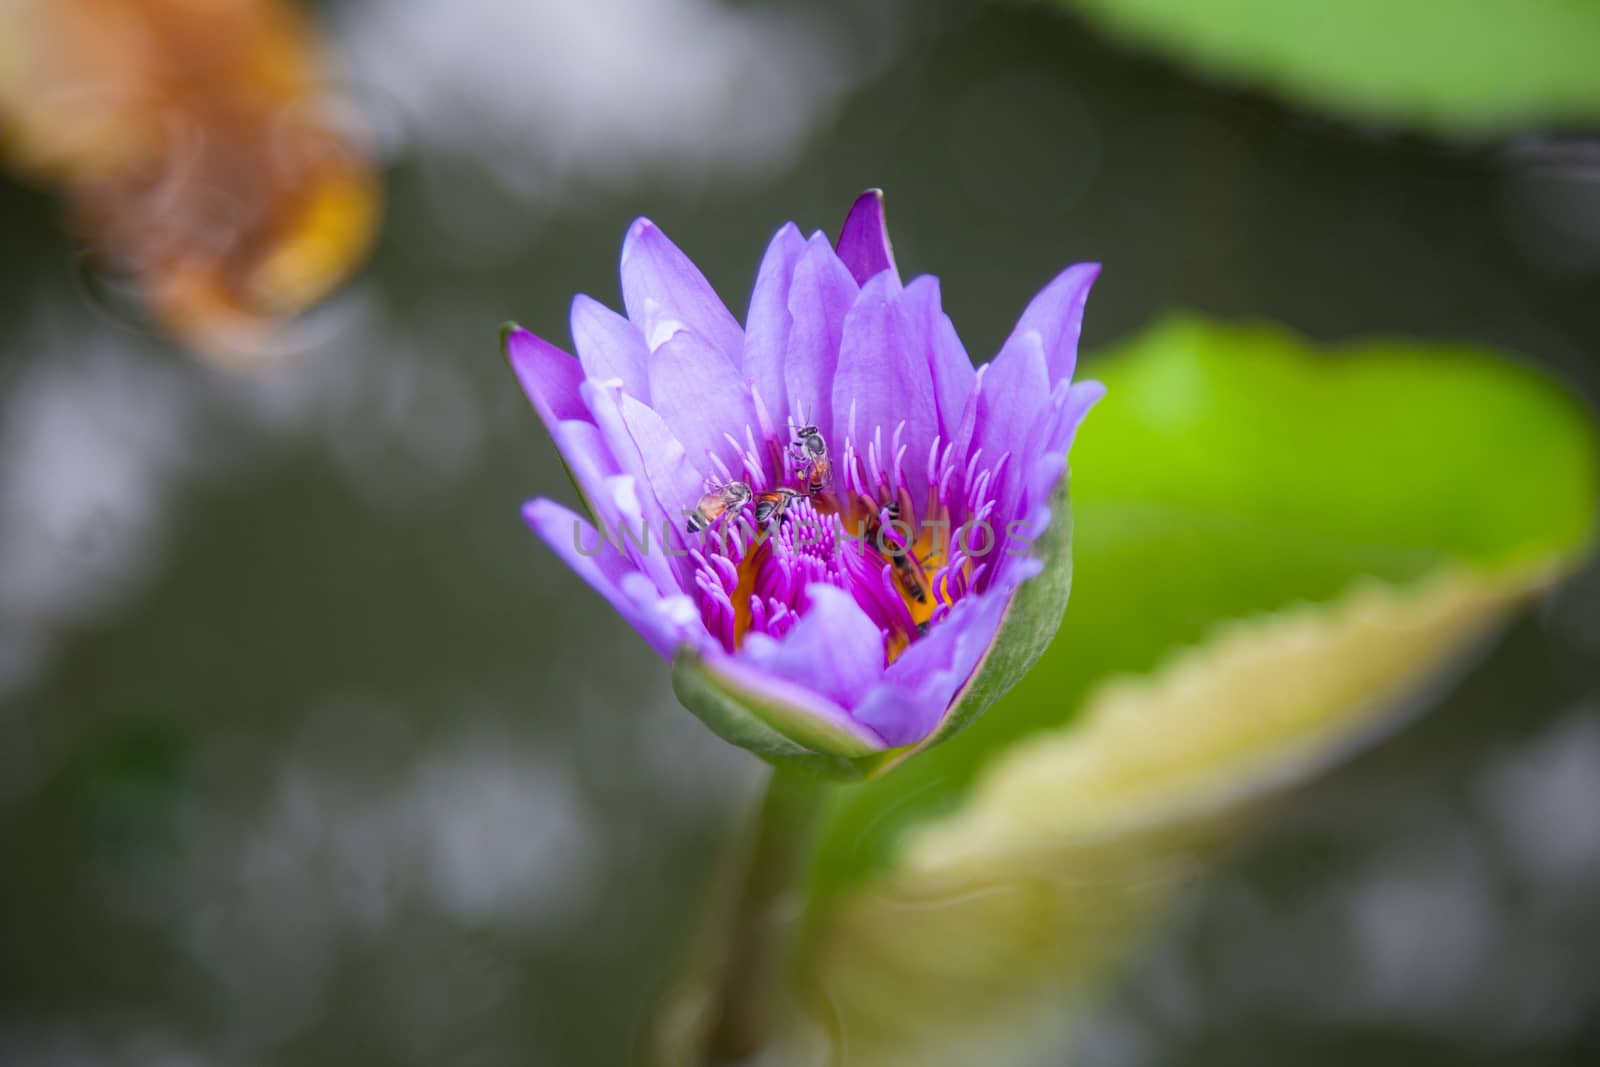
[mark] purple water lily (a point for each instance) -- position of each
(836, 527)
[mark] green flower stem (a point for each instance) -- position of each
(751, 981)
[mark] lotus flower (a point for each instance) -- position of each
(847, 539)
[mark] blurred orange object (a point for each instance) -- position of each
(197, 146)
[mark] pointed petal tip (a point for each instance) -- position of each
(584, 308)
(640, 230)
(519, 345)
(1079, 277)
(545, 518)
(1055, 317)
(549, 376)
(663, 289)
(508, 330)
(864, 244)
(866, 209)
(543, 515)
(1081, 398)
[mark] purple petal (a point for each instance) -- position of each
(589, 460)
(1080, 398)
(638, 534)
(864, 239)
(884, 376)
(766, 332)
(661, 620)
(609, 346)
(919, 686)
(953, 373)
(674, 480)
(819, 300)
(1013, 402)
(741, 675)
(791, 677)
(645, 451)
(1050, 456)
(1015, 562)
(834, 649)
(700, 399)
(1070, 403)
(664, 292)
(548, 375)
(1056, 315)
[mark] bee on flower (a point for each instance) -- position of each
(810, 453)
(717, 501)
(773, 506)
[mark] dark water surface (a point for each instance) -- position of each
(310, 754)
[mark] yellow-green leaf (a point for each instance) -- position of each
(971, 948)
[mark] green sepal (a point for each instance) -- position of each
(778, 732)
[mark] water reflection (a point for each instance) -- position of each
(89, 1046)
(560, 92)
(518, 110)
(93, 440)
(364, 841)
(1420, 922)
(1553, 204)
(102, 436)
(1543, 803)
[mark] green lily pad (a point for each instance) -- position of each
(1468, 66)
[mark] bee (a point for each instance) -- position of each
(718, 501)
(810, 453)
(771, 506)
(908, 573)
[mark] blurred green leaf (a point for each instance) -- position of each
(1233, 471)
(1361, 517)
(1469, 66)
(970, 948)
